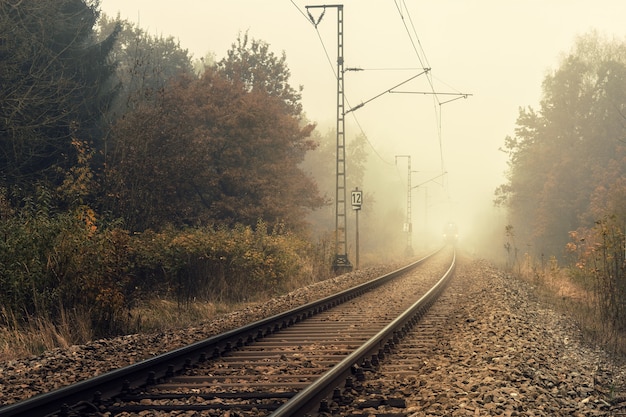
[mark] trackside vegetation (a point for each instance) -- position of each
(566, 189)
(131, 173)
(67, 264)
(134, 177)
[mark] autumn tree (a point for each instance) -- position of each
(252, 63)
(566, 160)
(214, 149)
(151, 152)
(144, 63)
(54, 87)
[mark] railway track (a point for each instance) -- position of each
(290, 364)
(392, 386)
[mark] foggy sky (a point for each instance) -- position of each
(497, 51)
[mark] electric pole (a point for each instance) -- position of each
(341, 263)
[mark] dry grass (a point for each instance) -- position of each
(162, 314)
(574, 298)
(18, 340)
(21, 338)
(552, 284)
(37, 335)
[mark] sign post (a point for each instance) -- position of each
(357, 201)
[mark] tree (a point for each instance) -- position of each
(145, 63)
(152, 150)
(54, 88)
(251, 62)
(212, 150)
(566, 156)
(276, 189)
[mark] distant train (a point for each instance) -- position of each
(450, 232)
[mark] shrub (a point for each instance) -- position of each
(52, 264)
(600, 254)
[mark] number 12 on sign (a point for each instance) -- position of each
(357, 199)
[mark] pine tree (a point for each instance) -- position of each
(54, 88)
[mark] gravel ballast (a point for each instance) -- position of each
(507, 353)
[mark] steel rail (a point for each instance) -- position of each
(159, 367)
(311, 397)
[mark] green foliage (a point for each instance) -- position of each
(53, 89)
(66, 262)
(218, 263)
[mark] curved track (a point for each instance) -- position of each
(285, 365)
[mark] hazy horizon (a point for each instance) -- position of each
(496, 52)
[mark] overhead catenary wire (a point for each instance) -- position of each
(358, 106)
(315, 23)
(310, 19)
(423, 62)
(436, 101)
(422, 59)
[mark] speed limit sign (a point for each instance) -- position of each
(357, 199)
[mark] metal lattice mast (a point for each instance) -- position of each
(341, 262)
(341, 253)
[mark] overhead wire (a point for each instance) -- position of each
(423, 61)
(438, 113)
(301, 11)
(332, 66)
(436, 101)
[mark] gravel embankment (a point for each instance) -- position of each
(507, 354)
(510, 356)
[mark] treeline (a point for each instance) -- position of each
(566, 189)
(126, 167)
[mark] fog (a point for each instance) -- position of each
(487, 58)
